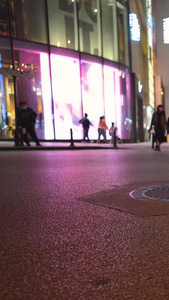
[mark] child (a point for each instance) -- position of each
(112, 132)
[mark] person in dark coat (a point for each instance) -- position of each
(159, 123)
(26, 118)
(168, 126)
(86, 124)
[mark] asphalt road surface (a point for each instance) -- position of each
(71, 231)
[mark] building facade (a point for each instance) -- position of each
(161, 11)
(143, 65)
(65, 58)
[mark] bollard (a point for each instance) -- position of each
(115, 139)
(71, 138)
(152, 137)
(21, 136)
(18, 136)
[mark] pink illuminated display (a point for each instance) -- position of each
(112, 97)
(118, 103)
(66, 96)
(92, 94)
(46, 96)
(74, 95)
(76, 87)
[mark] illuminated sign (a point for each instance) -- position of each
(140, 87)
(134, 27)
(149, 23)
(166, 30)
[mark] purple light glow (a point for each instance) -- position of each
(109, 95)
(118, 102)
(66, 96)
(46, 95)
(92, 94)
(112, 97)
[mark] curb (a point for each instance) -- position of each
(43, 148)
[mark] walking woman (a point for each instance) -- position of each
(102, 127)
(160, 124)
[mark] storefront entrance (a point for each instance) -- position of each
(7, 107)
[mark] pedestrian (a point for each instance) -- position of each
(86, 124)
(160, 125)
(112, 131)
(168, 126)
(102, 127)
(151, 132)
(26, 118)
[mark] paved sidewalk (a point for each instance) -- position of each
(10, 145)
(65, 145)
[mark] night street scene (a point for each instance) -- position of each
(71, 230)
(84, 149)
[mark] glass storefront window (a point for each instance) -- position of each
(89, 27)
(122, 25)
(117, 100)
(124, 108)
(109, 30)
(128, 121)
(63, 30)
(92, 93)
(7, 103)
(112, 96)
(5, 53)
(4, 18)
(35, 90)
(29, 20)
(66, 95)
(77, 83)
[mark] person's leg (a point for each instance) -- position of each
(33, 135)
(84, 134)
(112, 140)
(104, 135)
(87, 132)
(25, 136)
(157, 148)
(99, 135)
(157, 139)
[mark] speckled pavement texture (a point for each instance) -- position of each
(70, 230)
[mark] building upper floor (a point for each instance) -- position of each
(96, 27)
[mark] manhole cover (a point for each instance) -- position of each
(156, 192)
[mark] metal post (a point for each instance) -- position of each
(115, 139)
(71, 138)
(152, 137)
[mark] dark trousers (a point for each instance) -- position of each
(85, 133)
(101, 132)
(30, 129)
